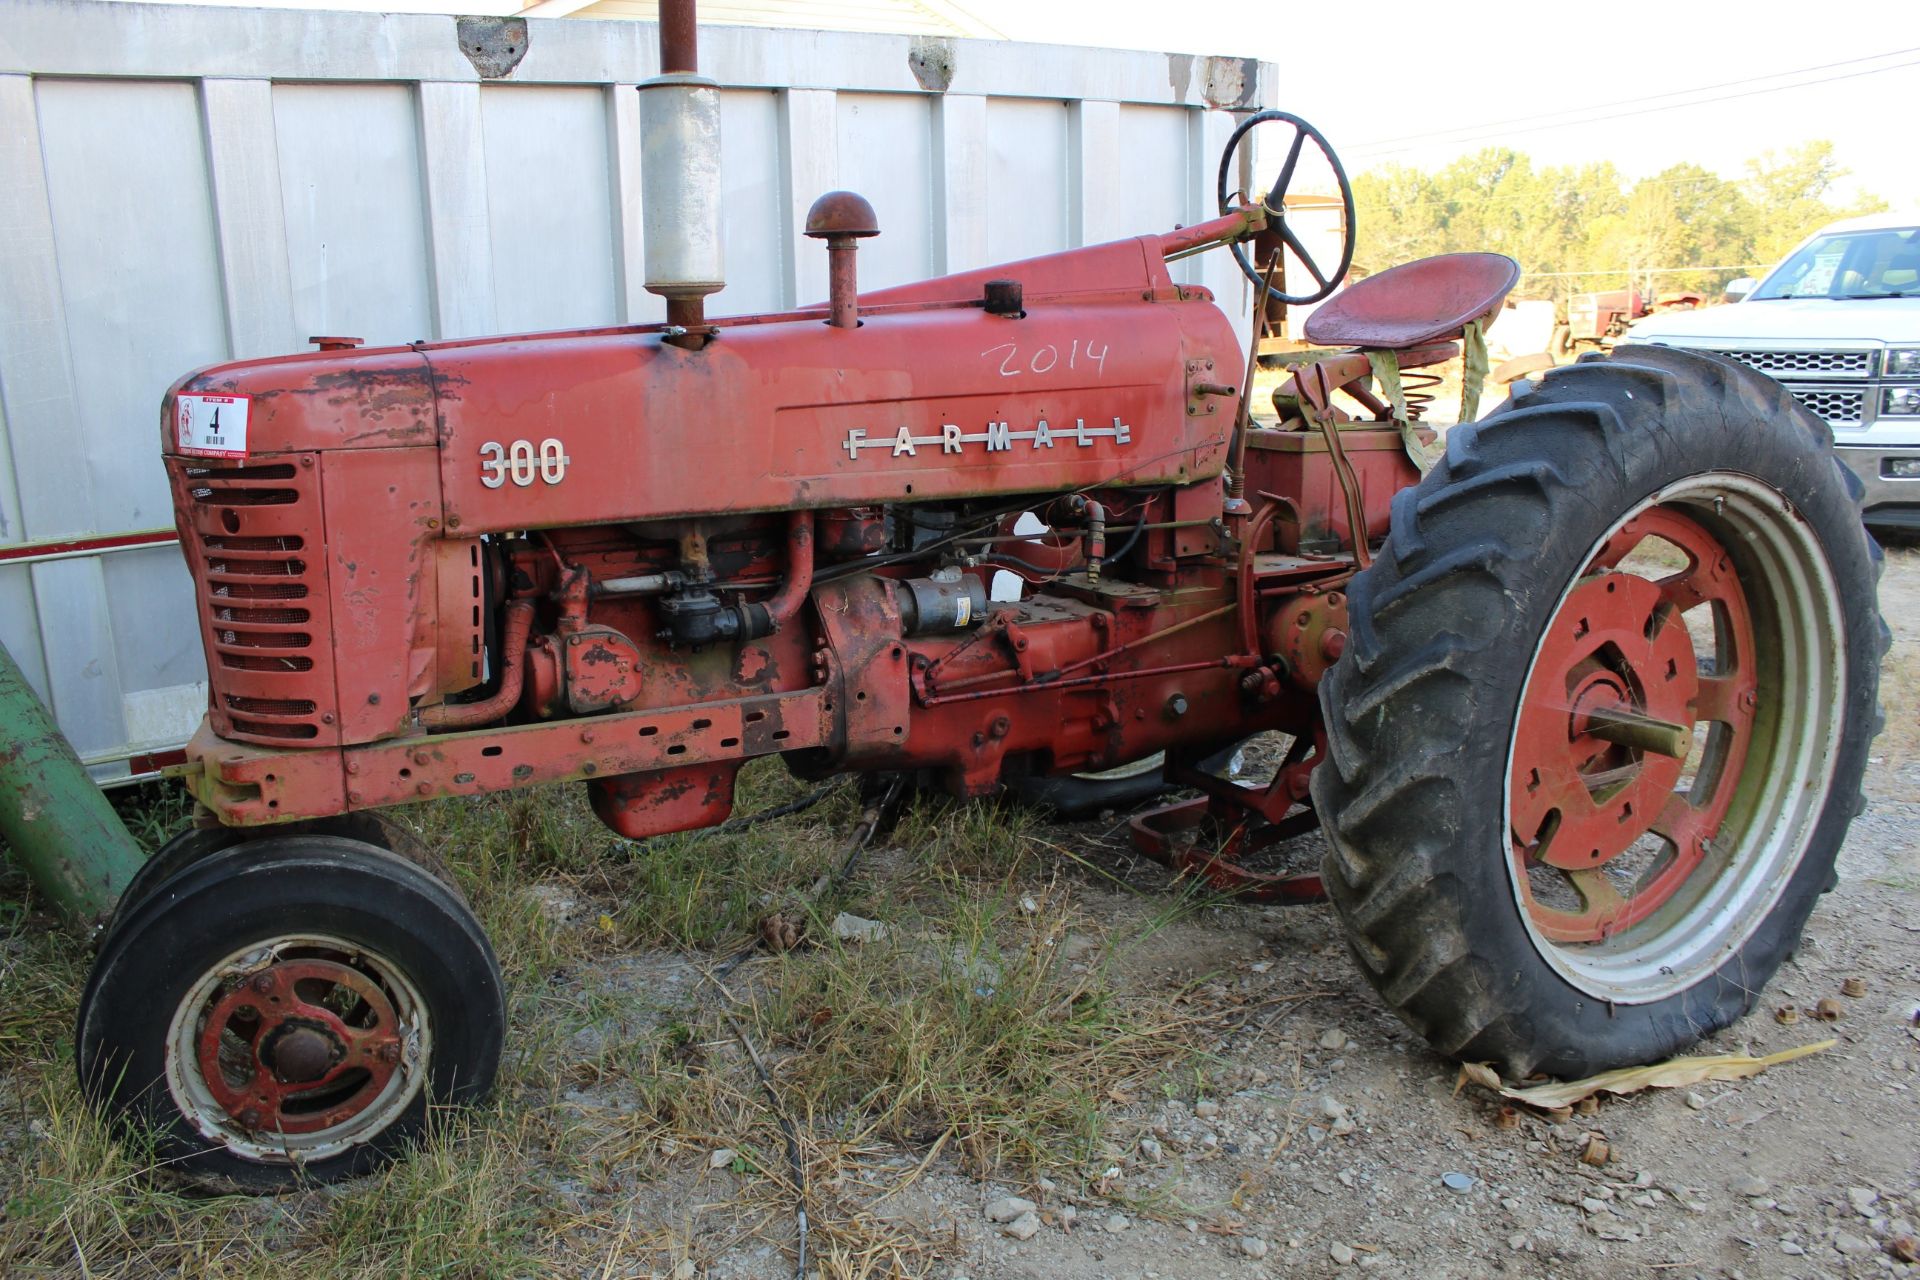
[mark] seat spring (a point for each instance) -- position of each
(1416, 385)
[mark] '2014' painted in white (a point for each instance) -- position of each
(1045, 357)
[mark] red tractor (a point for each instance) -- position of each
(1583, 711)
(1595, 321)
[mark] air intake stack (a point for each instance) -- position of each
(680, 178)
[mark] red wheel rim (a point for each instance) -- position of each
(299, 1046)
(1633, 730)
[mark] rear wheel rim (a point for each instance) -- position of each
(297, 1048)
(1675, 740)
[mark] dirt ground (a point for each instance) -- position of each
(1275, 1119)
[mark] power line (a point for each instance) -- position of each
(1608, 119)
(1628, 102)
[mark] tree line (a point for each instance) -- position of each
(1581, 228)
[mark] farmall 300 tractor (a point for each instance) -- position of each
(1582, 711)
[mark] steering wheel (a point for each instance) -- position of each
(1278, 233)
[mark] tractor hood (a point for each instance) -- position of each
(930, 396)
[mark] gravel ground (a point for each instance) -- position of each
(1341, 1143)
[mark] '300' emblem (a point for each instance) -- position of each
(522, 462)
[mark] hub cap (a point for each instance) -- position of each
(297, 1049)
(1650, 827)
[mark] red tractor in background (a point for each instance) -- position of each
(1595, 321)
(1583, 711)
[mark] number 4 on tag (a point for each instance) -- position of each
(210, 426)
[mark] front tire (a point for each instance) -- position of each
(288, 1009)
(1602, 722)
(196, 843)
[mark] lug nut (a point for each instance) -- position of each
(249, 1118)
(263, 982)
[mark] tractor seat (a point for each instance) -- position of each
(1428, 300)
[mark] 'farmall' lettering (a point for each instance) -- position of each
(998, 437)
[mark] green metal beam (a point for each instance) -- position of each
(58, 825)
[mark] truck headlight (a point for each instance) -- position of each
(1903, 362)
(1900, 402)
(1902, 469)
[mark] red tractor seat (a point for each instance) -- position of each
(1428, 300)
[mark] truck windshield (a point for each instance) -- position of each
(1854, 264)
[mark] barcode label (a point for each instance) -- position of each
(211, 426)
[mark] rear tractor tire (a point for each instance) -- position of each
(1602, 720)
(288, 1009)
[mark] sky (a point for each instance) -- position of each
(1370, 74)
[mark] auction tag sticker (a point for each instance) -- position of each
(211, 426)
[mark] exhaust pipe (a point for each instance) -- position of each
(680, 179)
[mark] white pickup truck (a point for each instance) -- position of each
(1838, 324)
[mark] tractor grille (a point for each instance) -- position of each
(1833, 404)
(253, 543)
(1802, 364)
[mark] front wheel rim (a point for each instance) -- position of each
(1675, 739)
(297, 1048)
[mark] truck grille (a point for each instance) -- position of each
(1834, 404)
(252, 535)
(1791, 364)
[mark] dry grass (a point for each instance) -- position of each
(963, 1034)
(966, 1026)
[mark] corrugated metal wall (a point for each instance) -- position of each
(183, 185)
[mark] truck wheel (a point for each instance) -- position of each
(1602, 720)
(288, 1010)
